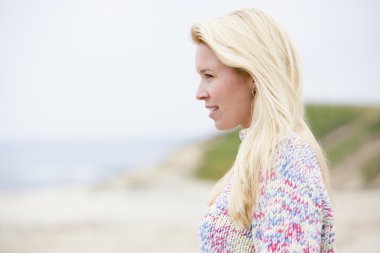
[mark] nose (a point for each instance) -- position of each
(201, 93)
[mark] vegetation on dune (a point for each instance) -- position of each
(371, 170)
(219, 156)
(374, 126)
(324, 120)
(364, 128)
(338, 151)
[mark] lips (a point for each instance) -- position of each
(212, 107)
(213, 110)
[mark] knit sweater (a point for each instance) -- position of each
(293, 211)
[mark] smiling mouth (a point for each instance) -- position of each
(213, 110)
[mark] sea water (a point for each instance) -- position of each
(36, 164)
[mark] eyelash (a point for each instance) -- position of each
(208, 76)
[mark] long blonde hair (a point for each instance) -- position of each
(252, 41)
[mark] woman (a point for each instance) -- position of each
(274, 198)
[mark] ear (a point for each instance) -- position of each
(253, 84)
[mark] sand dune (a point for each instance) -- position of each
(153, 210)
(158, 218)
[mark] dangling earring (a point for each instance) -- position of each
(253, 91)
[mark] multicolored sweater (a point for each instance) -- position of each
(293, 211)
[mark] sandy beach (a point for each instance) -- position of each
(152, 210)
(161, 217)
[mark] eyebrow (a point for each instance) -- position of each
(204, 70)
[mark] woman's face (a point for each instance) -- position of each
(227, 92)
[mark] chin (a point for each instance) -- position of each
(223, 127)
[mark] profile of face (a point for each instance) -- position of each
(227, 92)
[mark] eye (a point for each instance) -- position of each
(208, 76)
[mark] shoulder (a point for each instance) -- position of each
(296, 160)
(292, 209)
(295, 169)
(295, 147)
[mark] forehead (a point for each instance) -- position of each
(205, 58)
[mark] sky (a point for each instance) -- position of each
(91, 69)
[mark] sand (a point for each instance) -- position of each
(161, 217)
(153, 210)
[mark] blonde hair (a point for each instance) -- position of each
(252, 41)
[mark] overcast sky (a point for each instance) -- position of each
(122, 68)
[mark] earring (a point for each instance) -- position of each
(253, 91)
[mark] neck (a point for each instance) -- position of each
(243, 133)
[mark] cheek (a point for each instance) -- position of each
(220, 91)
(227, 91)
(231, 92)
(242, 100)
(239, 94)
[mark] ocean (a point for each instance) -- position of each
(35, 164)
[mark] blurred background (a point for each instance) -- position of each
(103, 145)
